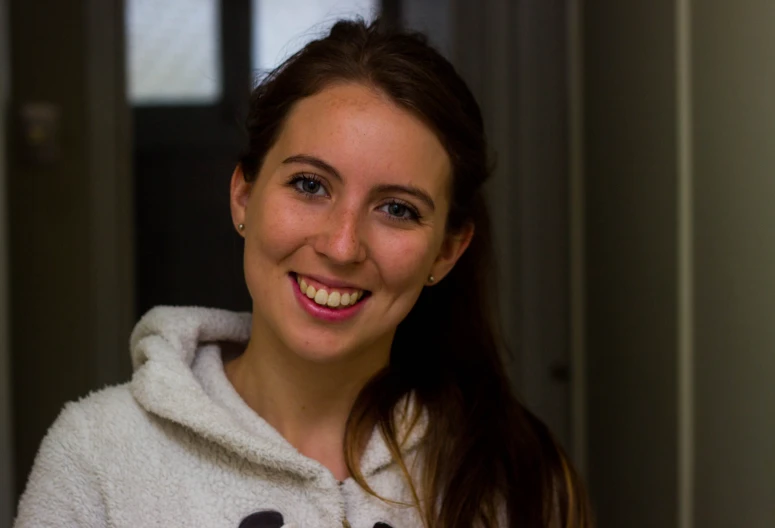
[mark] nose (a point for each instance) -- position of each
(340, 238)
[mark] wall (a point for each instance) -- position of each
(432, 17)
(48, 206)
(734, 219)
(680, 244)
(513, 56)
(70, 221)
(519, 79)
(631, 163)
(6, 473)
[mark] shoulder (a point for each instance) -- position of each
(63, 488)
(103, 417)
(105, 406)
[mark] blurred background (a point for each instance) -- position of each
(634, 200)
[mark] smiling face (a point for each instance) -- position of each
(351, 200)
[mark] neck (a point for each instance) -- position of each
(307, 402)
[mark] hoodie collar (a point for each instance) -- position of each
(164, 346)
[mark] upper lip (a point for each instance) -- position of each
(334, 283)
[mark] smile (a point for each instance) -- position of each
(328, 296)
(332, 303)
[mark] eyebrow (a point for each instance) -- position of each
(315, 162)
(407, 189)
(379, 189)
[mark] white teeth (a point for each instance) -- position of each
(321, 297)
(333, 299)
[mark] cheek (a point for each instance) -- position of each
(276, 229)
(403, 259)
(279, 227)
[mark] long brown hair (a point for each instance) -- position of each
(484, 457)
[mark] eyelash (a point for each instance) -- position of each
(414, 214)
(304, 177)
(296, 179)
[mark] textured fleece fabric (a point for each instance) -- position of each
(177, 446)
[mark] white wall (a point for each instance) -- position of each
(734, 195)
(6, 468)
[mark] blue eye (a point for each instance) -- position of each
(308, 184)
(401, 211)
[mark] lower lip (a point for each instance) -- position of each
(335, 315)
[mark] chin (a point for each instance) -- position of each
(321, 357)
(321, 352)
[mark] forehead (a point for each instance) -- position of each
(362, 133)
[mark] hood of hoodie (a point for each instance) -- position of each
(164, 346)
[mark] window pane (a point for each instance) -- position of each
(282, 27)
(173, 49)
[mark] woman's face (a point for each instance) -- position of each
(344, 224)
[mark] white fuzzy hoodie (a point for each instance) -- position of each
(177, 446)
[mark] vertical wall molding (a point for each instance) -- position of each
(685, 267)
(576, 214)
(111, 191)
(6, 460)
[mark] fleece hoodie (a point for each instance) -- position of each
(177, 446)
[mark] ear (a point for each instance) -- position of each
(239, 195)
(453, 247)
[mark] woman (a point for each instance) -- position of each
(366, 388)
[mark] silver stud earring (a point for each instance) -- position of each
(431, 279)
(241, 227)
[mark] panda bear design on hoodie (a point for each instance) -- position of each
(177, 446)
(272, 519)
